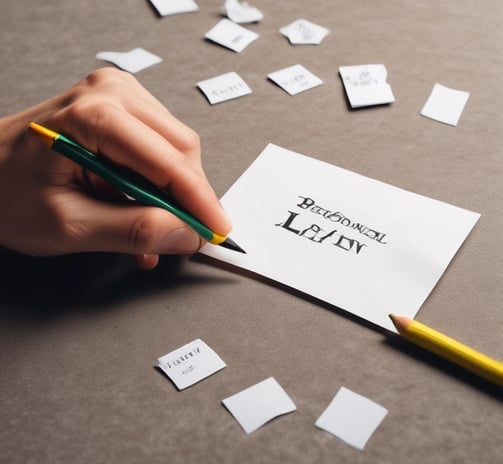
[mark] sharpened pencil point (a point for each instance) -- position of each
(231, 245)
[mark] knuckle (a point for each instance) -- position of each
(188, 141)
(106, 76)
(144, 233)
(192, 139)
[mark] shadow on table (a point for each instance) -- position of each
(37, 288)
(391, 339)
(446, 367)
(291, 290)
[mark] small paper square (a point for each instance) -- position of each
(241, 12)
(190, 364)
(295, 79)
(366, 85)
(445, 105)
(231, 35)
(132, 61)
(224, 87)
(302, 31)
(258, 404)
(171, 7)
(351, 417)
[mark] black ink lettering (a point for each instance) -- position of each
(328, 235)
(307, 203)
(350, 243)
(288, 222)
(316, 229)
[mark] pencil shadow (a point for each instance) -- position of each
(40, 289)
(293, 291)
(446, 367)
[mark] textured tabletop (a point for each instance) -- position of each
(80, 335)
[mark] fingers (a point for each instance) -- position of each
(147, 262)
(135, 130)
(112, 114)
(94, 225)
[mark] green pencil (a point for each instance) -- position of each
(129, 183)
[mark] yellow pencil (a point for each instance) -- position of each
(448, 348)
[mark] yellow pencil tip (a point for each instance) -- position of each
(46, 134)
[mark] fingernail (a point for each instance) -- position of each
(181, 241)
(226, 214)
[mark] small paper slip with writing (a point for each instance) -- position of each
(352, 417)
(366, 85)
(305, 32)
(224, 87)
(359, 244)
(445, 105)
(132, 61)
(241, 12)
(190, 364)
(231, 35)
(171, 7)
(295, 79)
(259, 404)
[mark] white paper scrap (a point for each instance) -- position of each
(445, 105)
(352, 417)
(231, 35)
(242, 12)
(171, 7)
(190, 364)
(359, 244)
(224, 87)
(132, 61)
(295, 79)
(258, 404)
(302, 31)
(366, 85)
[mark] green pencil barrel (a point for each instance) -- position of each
(127, 182)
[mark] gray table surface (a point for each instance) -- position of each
(80, 335)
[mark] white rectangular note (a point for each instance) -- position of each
(366, 85)
(231, 35)
(132, 61)
(258, 404)
(190, 364)
(171, 7)
(242, 12)
(304, 32)
(361, 245)
(352, 417)
(224, 87)
(295, 79)
(445, 105)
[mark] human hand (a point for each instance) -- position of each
(51, 206)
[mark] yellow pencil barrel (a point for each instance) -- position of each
(454, 351)
(450, 349)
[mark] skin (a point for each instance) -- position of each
(51, 206)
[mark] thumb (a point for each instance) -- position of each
(131, 228)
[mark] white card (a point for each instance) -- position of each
(190, 364)
(366, 85)
(133, 61)
(351, 417)
(259, 404)
(231, 35)
(445, 105)
(302, 31)
(224, 87)
(356, 243)
(295, 79)
(171, 7)
(242, 12)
